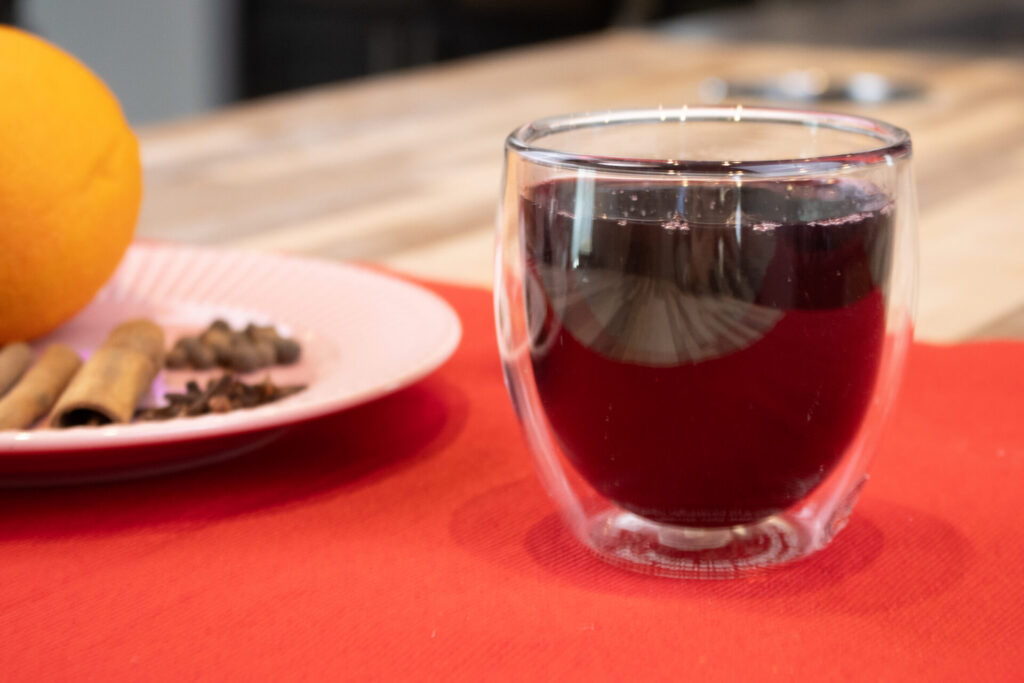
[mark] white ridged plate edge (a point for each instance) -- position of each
(364, 334)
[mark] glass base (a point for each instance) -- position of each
(633, 542)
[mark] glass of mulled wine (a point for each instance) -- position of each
(703, 315)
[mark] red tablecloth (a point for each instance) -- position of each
(408, 539)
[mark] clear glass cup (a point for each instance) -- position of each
(703, 315)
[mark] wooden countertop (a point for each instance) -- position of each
(404, 170)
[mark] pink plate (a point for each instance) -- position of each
(363, 335)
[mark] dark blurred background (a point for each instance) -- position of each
(289, 43)
(172, 58)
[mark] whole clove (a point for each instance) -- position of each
(220, 404)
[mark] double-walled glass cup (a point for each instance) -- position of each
(703, 315)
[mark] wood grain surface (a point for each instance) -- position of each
(404, 170)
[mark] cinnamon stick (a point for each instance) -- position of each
(37, 391)
(14, 361)
(115, 377)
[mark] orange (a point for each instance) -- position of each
(70, 185)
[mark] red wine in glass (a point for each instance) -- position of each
(711, 371)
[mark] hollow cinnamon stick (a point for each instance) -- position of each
(115, 377)
(14, 361)
(37, 391)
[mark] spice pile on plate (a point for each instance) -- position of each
(221, 395)
(60, 390)
(252, 348)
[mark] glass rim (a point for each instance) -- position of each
(894, 142)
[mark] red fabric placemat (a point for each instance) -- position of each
(409, 540)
